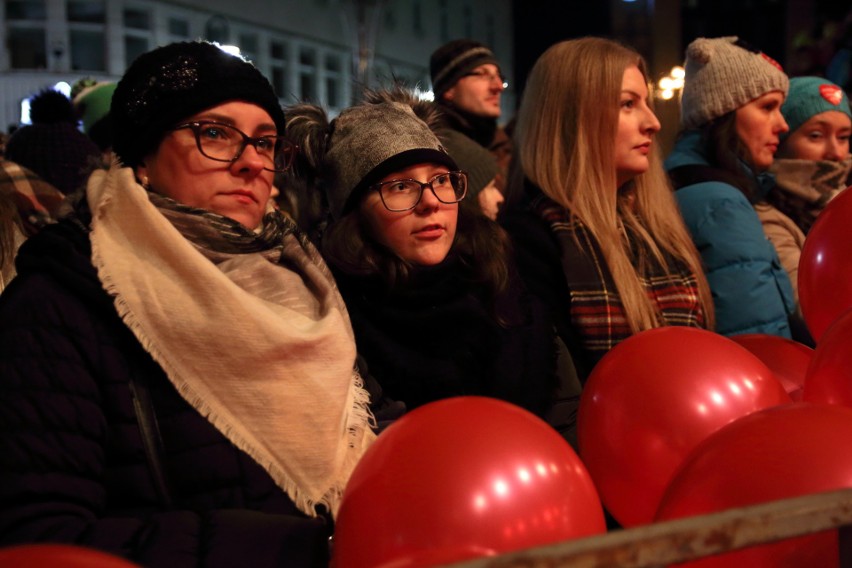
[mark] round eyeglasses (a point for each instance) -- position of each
(405, 194)
(226, 143)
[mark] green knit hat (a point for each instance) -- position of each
(92, 103)
(810, 96)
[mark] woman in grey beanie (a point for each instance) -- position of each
(428, 280)
(731, 128)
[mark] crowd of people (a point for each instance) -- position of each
(212, 304)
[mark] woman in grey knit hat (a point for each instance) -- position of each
(731, 127)
(428, 280)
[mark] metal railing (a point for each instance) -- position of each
(681, 540)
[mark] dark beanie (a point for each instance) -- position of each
(452, 60)
(169, 84)
(479, 164)
(52, 146)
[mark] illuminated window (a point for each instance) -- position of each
(137, 32)
(86, 32)
(278, 52)
(25, 34)
(308, 74)
(333, 81)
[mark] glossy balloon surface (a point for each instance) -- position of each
(462, 478)
(778, 453)
(59, 556)
(786, 358)
(652, 399)
(829, 377)
(825, 266)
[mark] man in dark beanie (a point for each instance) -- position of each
(468, 84)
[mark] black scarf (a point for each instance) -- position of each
(434, 338)
(481, 129)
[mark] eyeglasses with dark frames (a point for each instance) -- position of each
(405, 194)
(489, 77)
(226, 143)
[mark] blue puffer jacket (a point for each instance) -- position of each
(73, 465)
(751, 290)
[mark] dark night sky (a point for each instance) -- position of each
(763, 23)
(541, 23)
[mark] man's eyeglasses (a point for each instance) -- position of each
(489, 77)
(405, 194)
(225, 143)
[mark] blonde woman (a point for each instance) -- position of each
(597, 229)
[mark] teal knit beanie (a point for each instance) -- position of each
(809, 96)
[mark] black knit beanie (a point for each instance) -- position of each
(169, 84)
(53, 146)
(479, 163)
(452, 60)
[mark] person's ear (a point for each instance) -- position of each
(449, 94)
(141, 173)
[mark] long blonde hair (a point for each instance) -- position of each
(565, 145)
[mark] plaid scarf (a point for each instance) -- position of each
(250, 328)
(596, 310)
(37, 201)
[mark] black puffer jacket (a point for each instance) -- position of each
(73, 466)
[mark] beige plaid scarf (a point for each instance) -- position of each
(258, 342)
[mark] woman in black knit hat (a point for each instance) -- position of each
(177, 378)
(428, 280)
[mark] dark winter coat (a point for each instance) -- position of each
(435, 337)
(562, 263)
(73, 466)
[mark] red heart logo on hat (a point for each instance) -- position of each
(831, 93)
(772, 62)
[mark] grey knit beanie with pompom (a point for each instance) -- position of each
(723, 74)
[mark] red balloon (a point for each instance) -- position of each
(777, 453)
(654, 397)
(59, 556)
(829, 377)
(825, 266)
(786, 358)
(462, 478)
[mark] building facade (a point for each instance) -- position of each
(321, 51)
